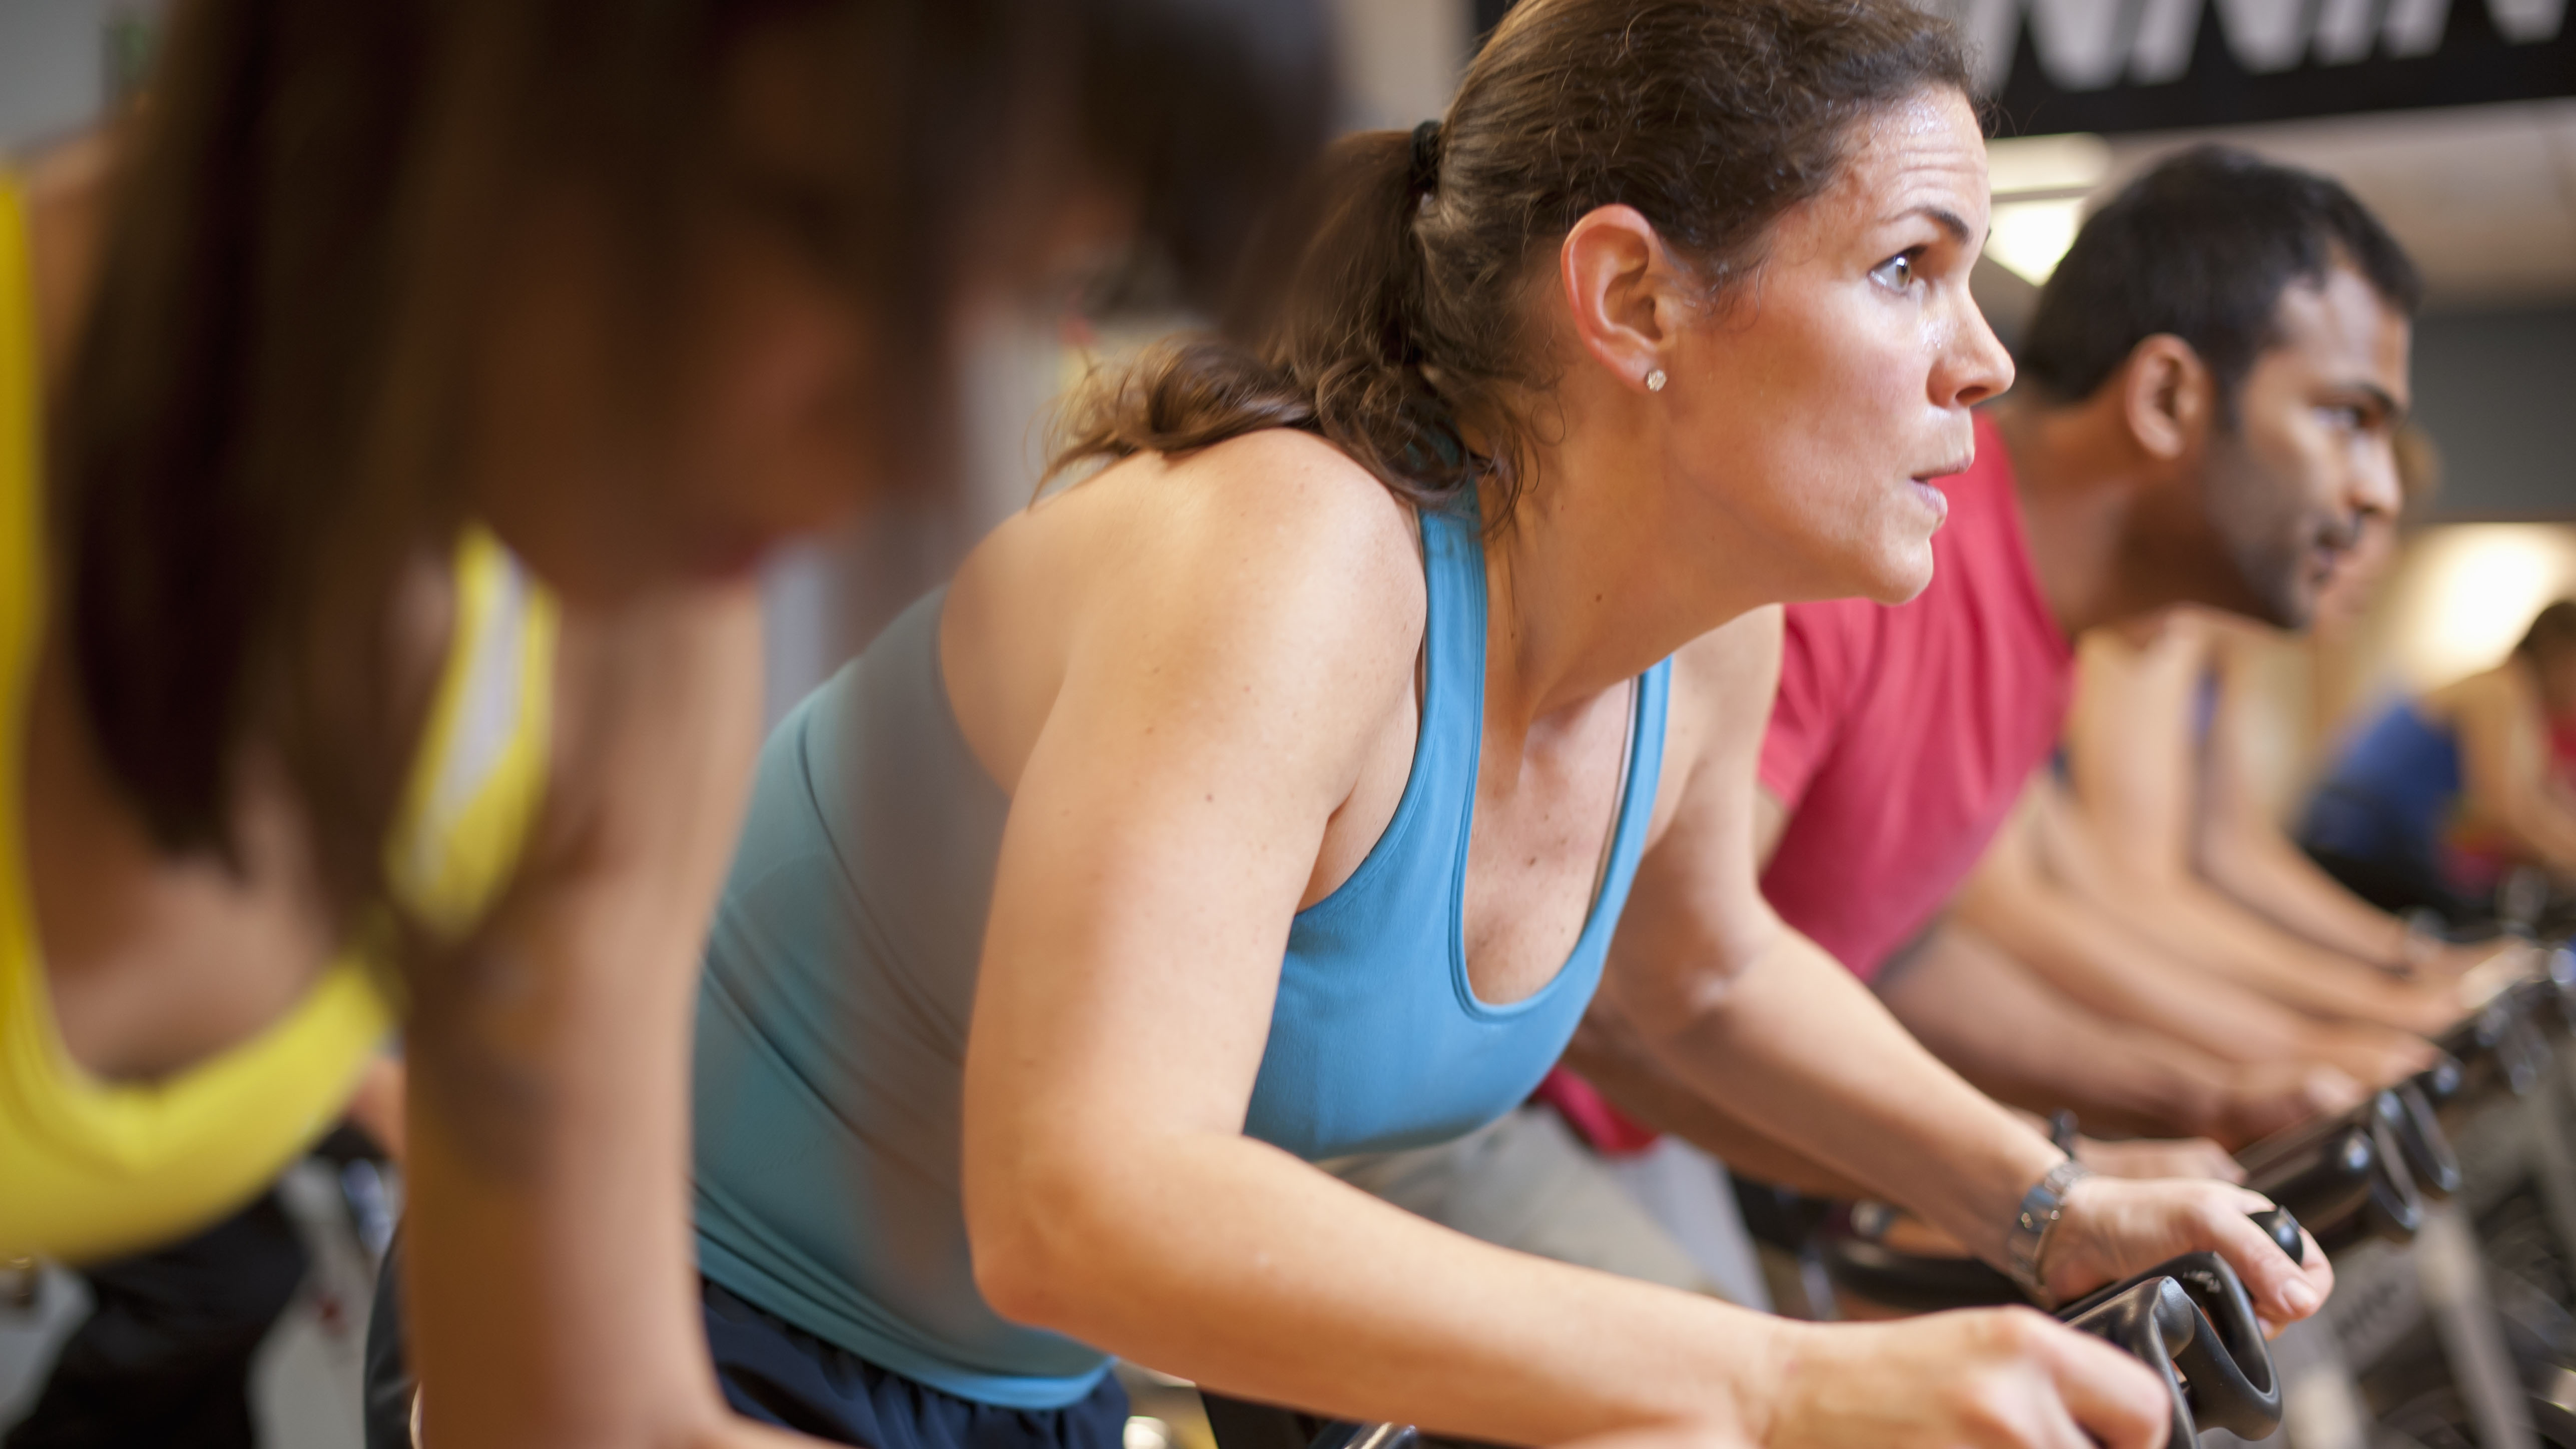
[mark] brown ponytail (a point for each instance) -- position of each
(1398, 324)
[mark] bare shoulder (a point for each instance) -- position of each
(1295, 492)
(1269, 565)
(1267, 503)
(2500, 694)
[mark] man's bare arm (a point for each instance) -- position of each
(2238, 845)
(2094, 960)
(2025, 1043)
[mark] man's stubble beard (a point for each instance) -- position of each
(2266, 553)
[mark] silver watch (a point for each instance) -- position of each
(2041, 1207)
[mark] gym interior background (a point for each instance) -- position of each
(2454, 119)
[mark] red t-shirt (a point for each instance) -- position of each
(1902, 736)
(1899, 741)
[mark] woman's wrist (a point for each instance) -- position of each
(1981, 1210)
(2034, 1226)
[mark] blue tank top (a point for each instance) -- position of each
(840, 975)
(2392, 793)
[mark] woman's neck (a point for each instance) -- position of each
(1589, 584)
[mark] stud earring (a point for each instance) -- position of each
(1655, 380)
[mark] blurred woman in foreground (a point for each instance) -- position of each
(420, 383)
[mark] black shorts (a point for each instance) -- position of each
(776, 1373)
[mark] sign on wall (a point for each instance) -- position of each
(2157, 65)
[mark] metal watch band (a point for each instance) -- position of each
(2041, 1207)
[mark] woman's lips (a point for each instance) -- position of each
(1932, 498)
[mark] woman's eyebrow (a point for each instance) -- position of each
(1942, 216)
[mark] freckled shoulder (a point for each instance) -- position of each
(1304, 486)
(1283, 514)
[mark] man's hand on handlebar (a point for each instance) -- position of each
(2275, 1097)
(2113, 1228)
(1989, 1378)
(2153, 1157)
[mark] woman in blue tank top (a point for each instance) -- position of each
(1278, 793)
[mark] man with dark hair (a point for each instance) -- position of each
(2212, 387)
(2216, 250)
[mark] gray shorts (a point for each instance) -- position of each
(1666, 1215)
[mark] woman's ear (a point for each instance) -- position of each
(1621, 286)
(2167, 395)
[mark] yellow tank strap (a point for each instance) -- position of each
(479, 778)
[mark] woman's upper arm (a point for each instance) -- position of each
(1221, 687)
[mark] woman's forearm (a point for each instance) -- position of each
(1224, 1260)
(1802, 1052)
(1608, 1052)
(550, 1291)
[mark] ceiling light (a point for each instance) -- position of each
(2030, 236)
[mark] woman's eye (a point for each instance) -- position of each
(1897, 272)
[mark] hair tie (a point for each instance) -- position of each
(1425, 178)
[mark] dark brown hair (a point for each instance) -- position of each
(1403, 315)
(259, 423)
(2202, 247)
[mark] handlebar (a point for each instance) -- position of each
(2190, 1319)
(2501, 1045)
(2348, 1177)
(2421, 1143)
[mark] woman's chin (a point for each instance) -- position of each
(1897, 576)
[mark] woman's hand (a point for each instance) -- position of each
(2005, 1378)
(2113, 1229)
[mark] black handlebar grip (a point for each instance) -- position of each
(2191, 1320)
(2283, 1229)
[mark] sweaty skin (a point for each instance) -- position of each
(1196, 680)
